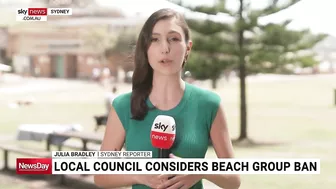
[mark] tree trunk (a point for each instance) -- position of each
(214, 83)
(331, 67)
(242, 75)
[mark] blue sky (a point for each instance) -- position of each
(317, 15)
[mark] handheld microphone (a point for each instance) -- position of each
(163, 134)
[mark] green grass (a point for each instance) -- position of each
(300, 115)
(63, 113)
(12, 186)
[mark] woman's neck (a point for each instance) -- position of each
(167, 91)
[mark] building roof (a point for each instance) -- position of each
(123, 22)
(328, 44)
(326, 49)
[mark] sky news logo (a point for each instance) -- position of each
(33, 166)
(40, 14)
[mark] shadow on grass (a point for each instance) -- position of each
(248, 143)
(256, 144)
(51, 181)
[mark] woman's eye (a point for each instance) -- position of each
(174, 39)
(154, 39)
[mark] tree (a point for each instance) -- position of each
(279, 47)
(124, 47)
(211, 50)
(257, 45)
(125, 42)
(99, 39)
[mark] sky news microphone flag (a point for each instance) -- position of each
(163, 134)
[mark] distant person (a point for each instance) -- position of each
(95, 74)
(162, 50)
(106, 72)
(110, 96)
(106, 77)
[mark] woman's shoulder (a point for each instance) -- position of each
(204, 95)
(122, 100)
(122, 107)
(205, 101)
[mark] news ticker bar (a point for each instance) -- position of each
(166, 166)
(40, 14)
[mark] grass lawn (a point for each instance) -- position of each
(298, 115)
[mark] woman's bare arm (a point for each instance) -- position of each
(113, 140)
(222, 144)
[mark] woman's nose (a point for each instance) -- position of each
(165, 49)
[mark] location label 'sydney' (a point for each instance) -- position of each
(40, 14)
(59, 11)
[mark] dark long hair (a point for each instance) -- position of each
(143, 74)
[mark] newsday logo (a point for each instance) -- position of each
(33, 165)
(40, 14)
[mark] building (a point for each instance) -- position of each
(60, 47)
(326, 52)
(3, 44)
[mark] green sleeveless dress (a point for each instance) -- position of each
(193, 117)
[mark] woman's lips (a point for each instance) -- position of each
(165, 61)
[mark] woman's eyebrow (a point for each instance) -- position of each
(173, 31)
(170, 32)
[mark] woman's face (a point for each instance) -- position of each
(168, 48)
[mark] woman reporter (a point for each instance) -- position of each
(162, 50)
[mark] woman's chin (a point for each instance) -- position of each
(167, 72)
